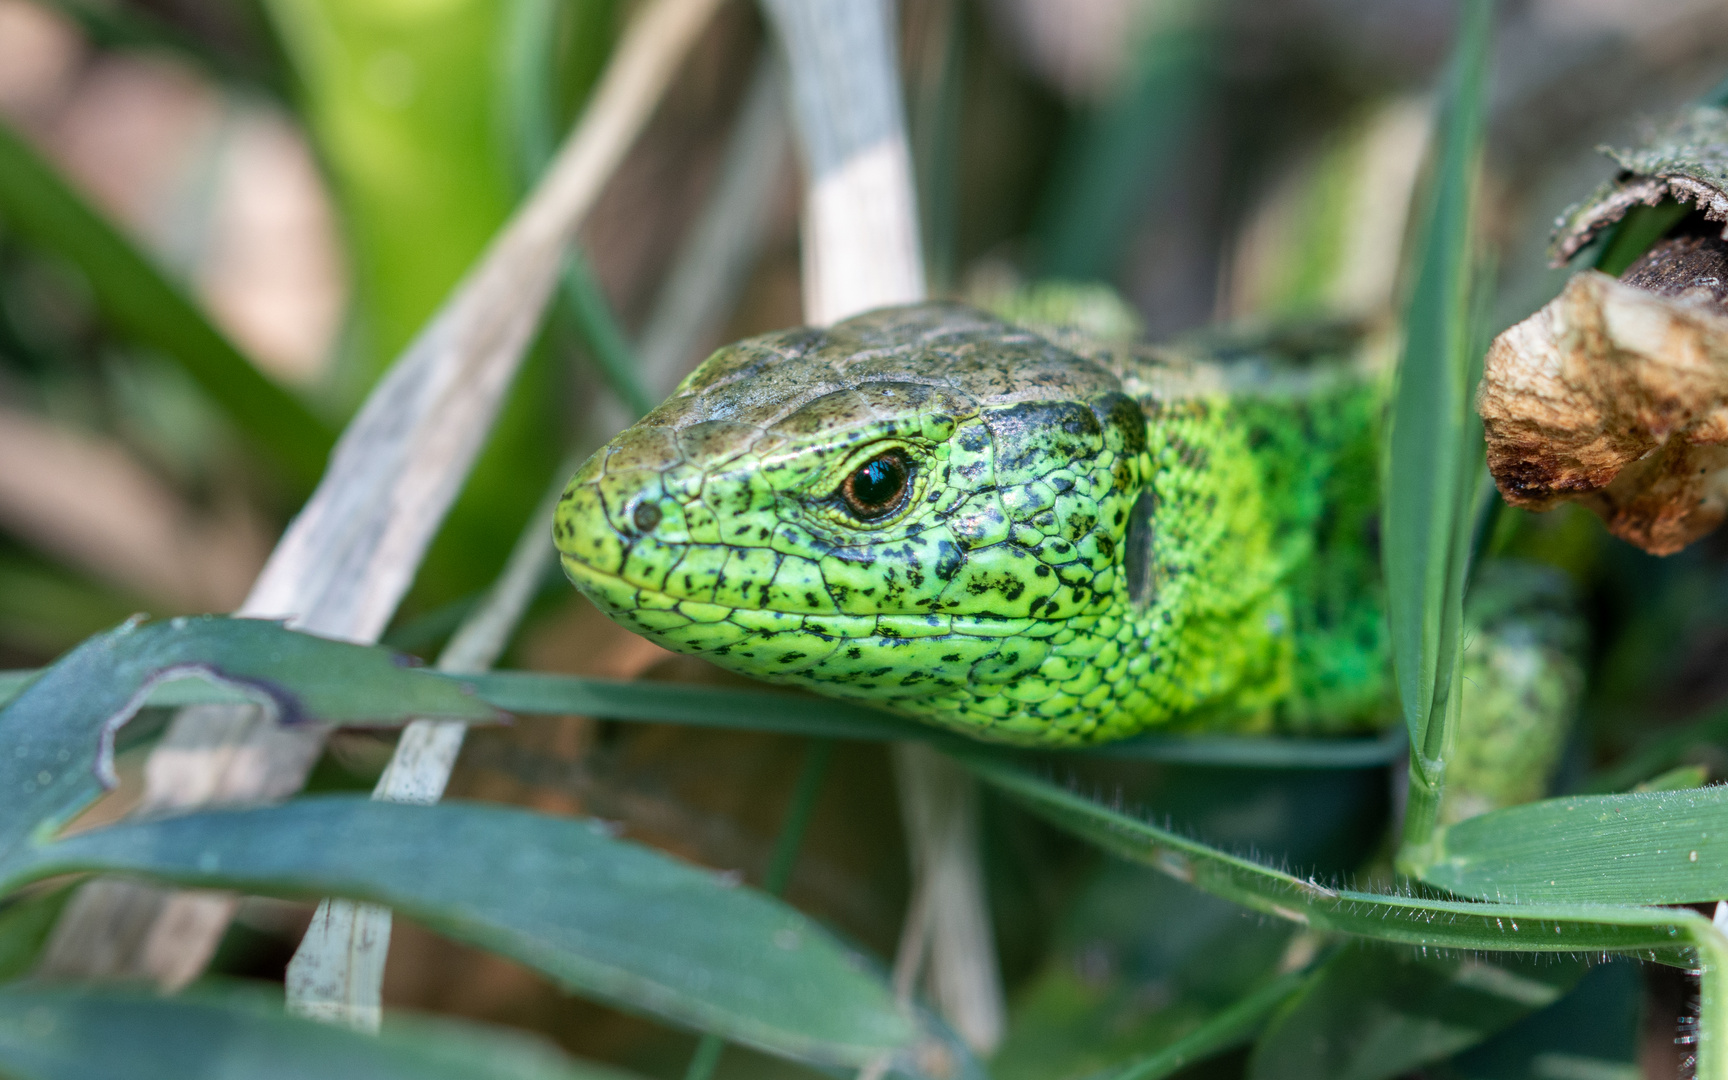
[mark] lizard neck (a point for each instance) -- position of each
(1259, 603)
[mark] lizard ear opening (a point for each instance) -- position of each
(1137, 550)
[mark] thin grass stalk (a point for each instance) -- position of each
(713, 264)
(936, 53)
(337, 974)
(861, 247)
(1429, 489)
(1232, 1026)
(861, 251)
(346, 560)
(1711, 1057)
(606, 340)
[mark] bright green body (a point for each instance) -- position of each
(1089, 542)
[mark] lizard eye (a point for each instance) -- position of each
(878, 487)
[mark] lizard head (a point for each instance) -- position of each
(917, 507)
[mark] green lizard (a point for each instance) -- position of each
(960, 520)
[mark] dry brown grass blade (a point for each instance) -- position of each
(346, 560)
(1616, 397)
(861, 251)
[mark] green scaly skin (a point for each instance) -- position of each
(1000, 598)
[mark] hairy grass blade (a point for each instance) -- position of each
(1668, 935)
(1404, 919)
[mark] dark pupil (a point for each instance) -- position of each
(876, 486)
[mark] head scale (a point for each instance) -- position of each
(921, 507)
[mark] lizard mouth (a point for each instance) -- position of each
(660, 614)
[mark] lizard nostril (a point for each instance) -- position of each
(647, 516)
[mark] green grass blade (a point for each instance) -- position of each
(1658, 847)
(529, 91)
(606, 340)
(1268, 752)
(239, 1033)
(1667, 935)
(1399, 919)
(611, 919)
(1372, 1014)
(230, 60)
(146, 307)
(59, 731)
(704, 706)
(537, 693)
(1634, 234)
(1428, 481)
(1231, 1027)
(1593, 1033)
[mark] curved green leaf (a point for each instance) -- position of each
(605, 917)
(59, 731)
(1657, 847)
(1371, 1014)
(540, 693)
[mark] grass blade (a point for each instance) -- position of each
(146, 307)
(1400, 919)
(72, 1033)
(608, 918)
(1658, 847)
(538, 693)
(59, 730)
(355, 548)
(1371, 1014)
(1101, 179)
(1676, 936)
(1231, 1027)
(337, 973)
(1429, 481)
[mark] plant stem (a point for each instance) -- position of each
(352, 552)
(337, 973)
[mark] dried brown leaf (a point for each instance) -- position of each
(1616, 397)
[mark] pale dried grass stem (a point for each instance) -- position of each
(861, 251)
(346, 560)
